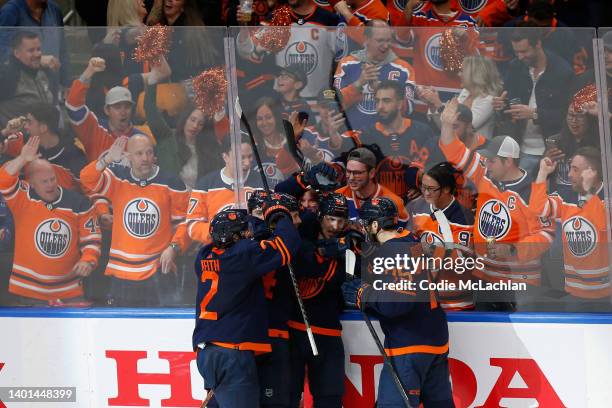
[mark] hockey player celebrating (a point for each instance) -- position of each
(414, 324)
(231, 319)
(321, 268)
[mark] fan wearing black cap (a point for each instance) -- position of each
(231, 316)
(509, 237)
(414, 323)
(290, 81)
(321, 270)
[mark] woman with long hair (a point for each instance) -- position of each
(580, 130)
(481, 81)
(194, 47)
(125, 22)
(191, 150)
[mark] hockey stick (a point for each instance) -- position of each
(322, 181)
(387, 360)
(209, 396)
(296, 289)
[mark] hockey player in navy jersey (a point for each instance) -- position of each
(321, 270)
(231, 319)
(274, 368)
(414, 324)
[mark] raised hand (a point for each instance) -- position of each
(29, 151)
(499, 102)
(116, 151)
(94, 66)
(449, 114)
(589, 178)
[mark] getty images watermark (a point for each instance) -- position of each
(396, 269)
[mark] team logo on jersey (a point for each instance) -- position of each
(141, 217)
(472, 6)
(367, 104)
(53, 237)
(302, 53)
(581, 236)
(323, 3)
(494, 220)
(342, 46)
(432, 52)
(431, 238)
(273, 174)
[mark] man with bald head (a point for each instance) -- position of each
(58, 238)
(149, 208)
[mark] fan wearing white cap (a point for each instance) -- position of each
(98, 135)
(507, 235)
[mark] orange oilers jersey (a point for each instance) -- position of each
(51, 238)
(372, 10)
(213, 193)
(381, 191)
(426, 227)
(585, 249)
(427, 62)
(145, 214)
(502, 214)
(95, 137)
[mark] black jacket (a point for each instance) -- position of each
(552, 92)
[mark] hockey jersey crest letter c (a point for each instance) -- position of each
(494, 220)
(581, 236)
(53, 238)
(141, 217)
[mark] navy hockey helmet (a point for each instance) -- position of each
(256, 200)
(226, 224)
(333, 204)
(381, 209)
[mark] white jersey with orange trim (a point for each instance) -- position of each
(503, 215)
(215, 192)
(585, 245)
(146, 213)
(50, 239)
(313, 46)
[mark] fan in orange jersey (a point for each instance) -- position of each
(216, 191)
(58, 241)
(511, 236)
(438, 219)
(362, 185)
(584, 227)
(148, 206)
(360, 12)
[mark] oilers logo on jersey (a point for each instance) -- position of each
(430, 238)
(302, 53)
(581, 236)
(432, 52)
(141, 217)
(367, 104)
(494, 220)
(53, 237)
(401, 5)
(472, 6)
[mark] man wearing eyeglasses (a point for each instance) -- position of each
(362, 184)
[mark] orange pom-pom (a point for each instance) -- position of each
(210, 88)
(584, 96)
(275, 36)
(452, 52)
(153, 44)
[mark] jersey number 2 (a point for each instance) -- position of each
(214, 278)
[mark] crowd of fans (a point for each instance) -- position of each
(112, 172)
